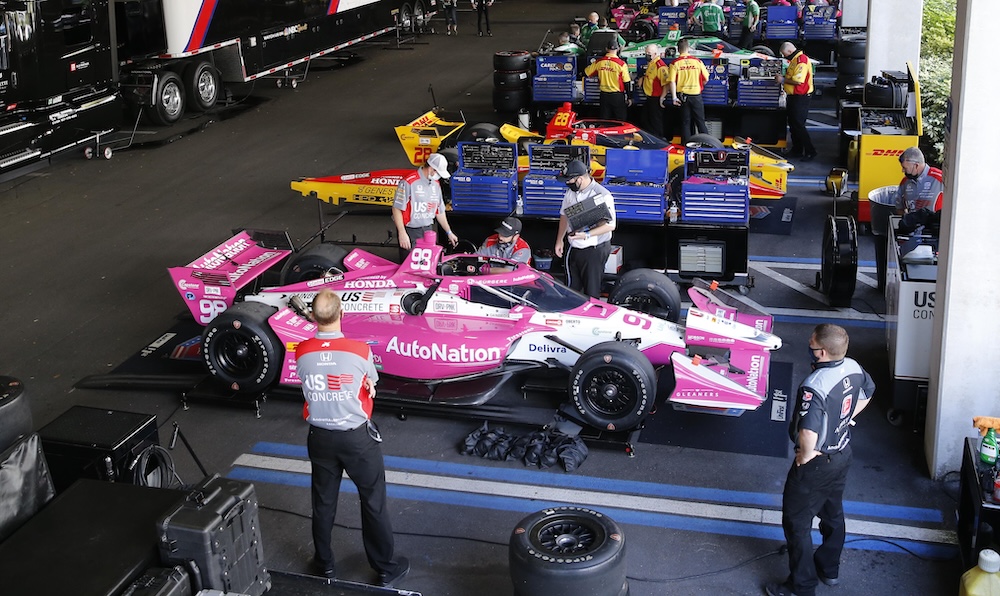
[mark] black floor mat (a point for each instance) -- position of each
(763, 431)
(768, 216)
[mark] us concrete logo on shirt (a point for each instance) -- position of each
(336, 382)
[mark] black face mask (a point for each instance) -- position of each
(574, 185)
(913, 176)
(504, 245)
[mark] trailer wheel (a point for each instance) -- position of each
(88, 153)
(107, 153)
(613, 386)
(169, 100)
(240, 349)
(202, 82)
(648, 291)
(405, 19)
(419, 16)
(319, 261)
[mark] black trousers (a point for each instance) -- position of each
(797, 108)
(331, 453)
(482, 10)
(585, 268)
(746, 38)
(652, 116)
(815, 489)
(613, 106)
(692, 113)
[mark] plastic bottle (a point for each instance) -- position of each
(672, 212)
(982, 580)
(988, 448)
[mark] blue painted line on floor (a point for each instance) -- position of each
(817, 320)
(624, 516)
(614, 486)
(801, 260)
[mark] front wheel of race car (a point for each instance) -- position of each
(565, 551)
(613, 386)
(648, 291)
(319, 261)
(240, 349)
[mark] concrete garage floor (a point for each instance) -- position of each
(83, 281)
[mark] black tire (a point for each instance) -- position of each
(203, 85)
(511, 100)
(404, 21)
(568, 551)
(674, 182)
(650, 292)
(851, 66)
(512, 60)
(319, 261)
(451, 154)
(511, 79)
(854, 46)
(850, 87)
(613, 386)
(482, 131)
(644, 30)
(419, 17)
(763, 50)
(168, 106)
(839, 261)
(15, 412)
(240, 349)
(705, 140)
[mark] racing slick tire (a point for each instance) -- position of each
(203, 85)
(512, 60)
(511, 100)
(240, 349)
(314, 263)
(763, 50)
(645, 30)
(648, 291)
(705, 140)
(567, 551)
(168, 105)
(506, 79)
(15, 412)
(839, 263)
(613, 386)
(852, 46)
(483, 131)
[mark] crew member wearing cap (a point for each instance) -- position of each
(922, 186)
(614, 80)
(688, 76)
(507, 242)
(419, 202)
(588, 248)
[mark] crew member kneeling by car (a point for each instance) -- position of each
(589, 248)
(507, 242)
(419, 202)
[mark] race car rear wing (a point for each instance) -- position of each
(210, 283)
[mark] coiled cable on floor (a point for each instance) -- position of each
(154, 468)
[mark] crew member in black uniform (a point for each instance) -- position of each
(590, 247)
(835, 392)
(338, 382)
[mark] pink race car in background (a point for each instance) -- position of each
(452, 329)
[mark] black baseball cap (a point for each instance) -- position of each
(509, 227)
(573, 169)
(613, 44)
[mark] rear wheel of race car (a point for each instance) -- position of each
(451, 155)
(705, 141)
(483, 131)
(648, 291)
(645, 30)
(613, 386)
(763, 50)
(168, 106)
(203, 85)
(568, 551)
(319, 261)
(512, 60)
(240, 349)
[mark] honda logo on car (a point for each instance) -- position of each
(370, 284)
(441, 352)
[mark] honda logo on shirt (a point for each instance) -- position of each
(325, 357)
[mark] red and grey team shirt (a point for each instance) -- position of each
(419, 199)
(827, 400)
(798, 75)
(333, 370)
(926, 192)
(688, 74)
(515, 251)
(612, 73)
(656, 78)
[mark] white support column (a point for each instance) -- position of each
(965, 362)
(893, 36)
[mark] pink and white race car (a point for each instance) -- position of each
(451, 329)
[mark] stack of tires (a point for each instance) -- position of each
(511, 81)
(851, 50)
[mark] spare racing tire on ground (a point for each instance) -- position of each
(319, 261)
(511, 79)
(240, 349)
(648, 291)
(838, 274)
(512, 60)
(511, 100)
(15, 412)
(613, 386)
(568, 551)
(704, 140)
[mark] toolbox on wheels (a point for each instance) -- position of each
(218, 528)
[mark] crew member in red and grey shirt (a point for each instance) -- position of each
(507, 242)
(338, 382)
(418, 202)
(922, 186)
